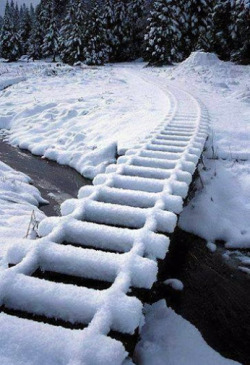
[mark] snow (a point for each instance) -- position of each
(80, 117)
(211, 246)
(220, 209)
(18, 199)
(149, 169)
(39, 343)
(175, 284)
(168, 339)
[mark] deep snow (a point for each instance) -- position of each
(80, 117)
(18, 199)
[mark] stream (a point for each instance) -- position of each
(55, 182)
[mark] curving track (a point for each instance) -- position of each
(69, 293)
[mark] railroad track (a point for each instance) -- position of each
(68, 296)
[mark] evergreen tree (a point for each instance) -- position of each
(241, 32)
(162, 34)
(119, 35)
(10, 44)
(1, 23)
(37, 36)
(221, 18)
(32, 14)
(72, 33)
(45, 15)
(25, 28)
(50, 43)
(137, 11)
(95, 39)
(199, 14)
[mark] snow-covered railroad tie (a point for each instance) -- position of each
(79, 274)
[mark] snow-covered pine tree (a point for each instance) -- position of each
(162, 34)
(32, 13)
(72, 33)
(199, 13)
(50, 42)
(221, 21)
(10, 45)
(119, 35)
(1, 23)
(95, 37)
(137, 11)
(25, 28)
(45, 15)
(60, 8)
(241, 31)
(36, 37)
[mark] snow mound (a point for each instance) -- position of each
(206, 67)
(201, 59)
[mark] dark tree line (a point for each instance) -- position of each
(99, 31)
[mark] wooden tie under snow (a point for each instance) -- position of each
(79, 275)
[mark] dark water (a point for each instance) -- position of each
(216, 295)
(55, 182)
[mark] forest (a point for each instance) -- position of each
(96, 32)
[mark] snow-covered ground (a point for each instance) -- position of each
(168, 339)
(220, 209)
(82, 116)
(19, 211)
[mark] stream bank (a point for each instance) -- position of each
(55, 182)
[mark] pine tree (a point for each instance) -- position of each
(36, 37)
(137, 10)
(1, 23)
(221, 18)
(50, 43)
(241, 32)
(45, 15)
(10, 44)
(95, 39)
(162, 34)
(199, 13)
(72, 33)
(25, 28)
(119, 35)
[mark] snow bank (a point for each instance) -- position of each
(18, 199)
(5, 82)
(221, 211)
(169, 339)
(81, 117)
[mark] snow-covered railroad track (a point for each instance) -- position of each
(106, 242)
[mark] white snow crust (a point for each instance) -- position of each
(168, 339)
